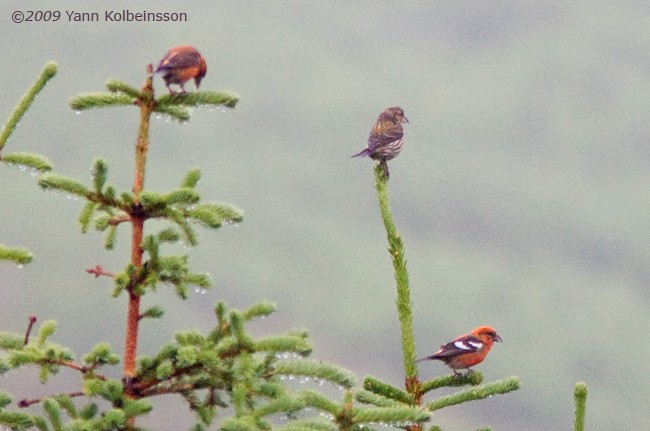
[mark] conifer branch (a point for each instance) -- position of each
(178, 113)
(319, 402)
(154, 312)
(86, 101)
(59, 182)
(81, 368)
(367, 397)
(9, 341)
(29, 402)
(580, 396)
(197, 98)
(315, 370)
(175, 104)
(18, 255)
(474, 378)
(475, 393)
(29, 160)
(378, 387)
(261, 310)
(168, 381)
(396, 250)
(283, 343)
(191, 178)
(47, 73)
(399, 417)
(117, 86)
(279, 405)
(99, 174)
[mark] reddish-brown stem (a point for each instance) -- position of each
(146, 105)
(133, 314)
(32, 320)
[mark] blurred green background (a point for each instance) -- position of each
(522, 193)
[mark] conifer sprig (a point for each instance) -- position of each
(47, 73)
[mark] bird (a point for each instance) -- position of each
(467, 350)
(386, 137)
(181, 64)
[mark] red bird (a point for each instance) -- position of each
(181, 64)
(467, 350)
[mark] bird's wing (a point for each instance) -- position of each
(461, 345)
(180, 60)
(380, 136)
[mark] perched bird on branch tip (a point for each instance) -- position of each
(467, 350)
(386, 137)
(181, 64)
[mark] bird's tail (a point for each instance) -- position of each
(426, 358)
(364, 153)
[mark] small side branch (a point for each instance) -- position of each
(98, 270)
(120, 218)
(48, 73)
(32, 320)
(81, 368)
(475, 393)
(27, 402)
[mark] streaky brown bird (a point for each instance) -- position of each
(181, 64)
(386, 137)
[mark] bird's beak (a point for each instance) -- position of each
(406, 120)
(497, 338)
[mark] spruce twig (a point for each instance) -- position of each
(47, 73)
(580, 396)
(15, 254)
(85, 101)
(29, 402)
(315, 370)
(368, 397)
(474, 378)
(34, 162)
(396, 250)
(386, 390)
(475, 393)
